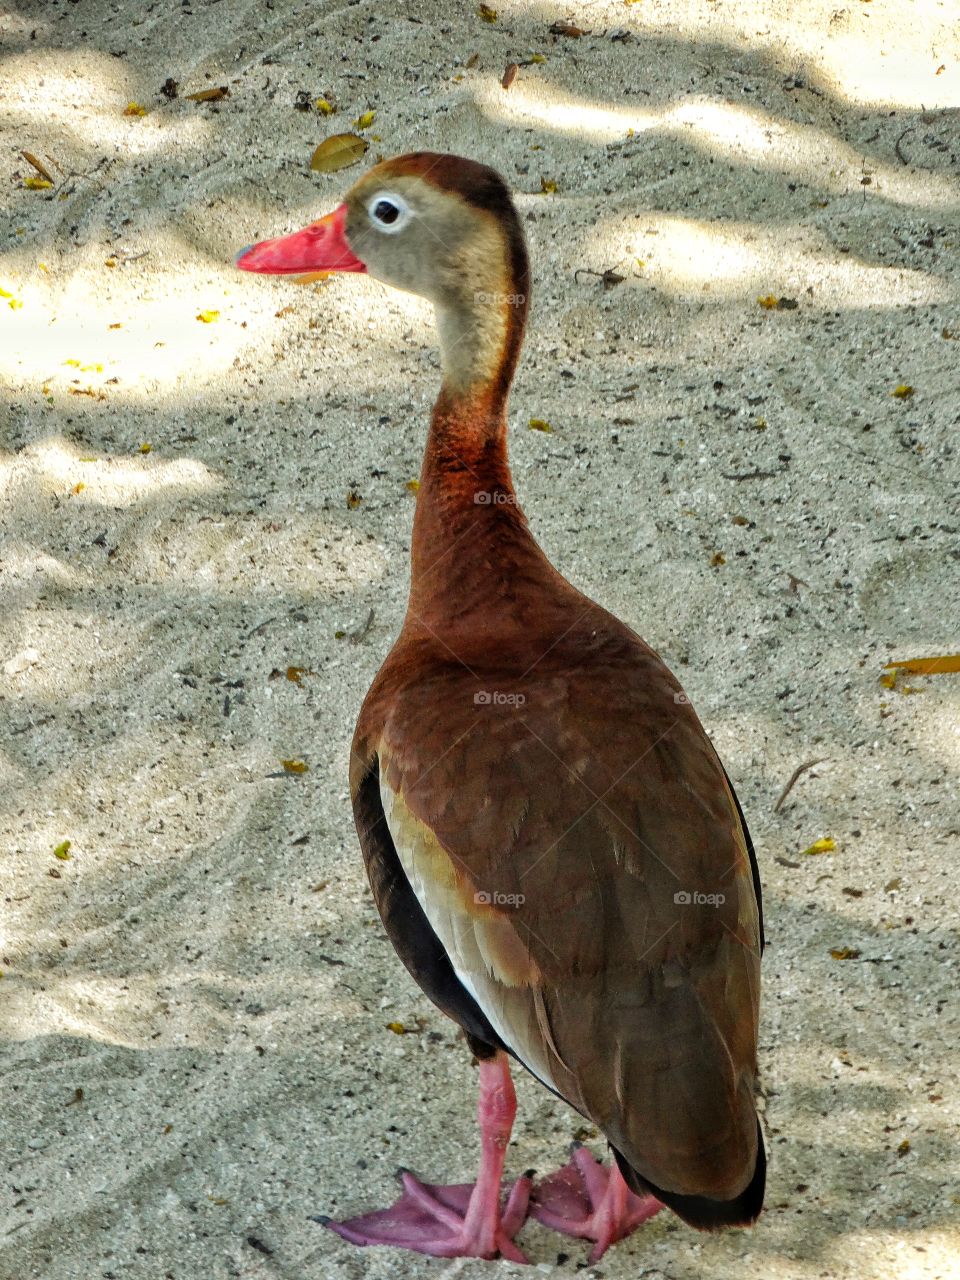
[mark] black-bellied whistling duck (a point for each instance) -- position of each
(553, 844)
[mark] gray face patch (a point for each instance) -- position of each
(413, 236)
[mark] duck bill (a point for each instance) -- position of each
(315, 251)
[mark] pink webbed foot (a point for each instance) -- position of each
(464, 1221)
(445, 1221)
(586, 1199)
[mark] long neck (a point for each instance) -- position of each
(466, 504)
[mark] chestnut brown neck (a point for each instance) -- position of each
(469, 533)
(467, 512)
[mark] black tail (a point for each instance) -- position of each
(700, 1211)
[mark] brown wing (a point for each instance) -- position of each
(575, 846)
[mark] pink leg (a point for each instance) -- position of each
(466, 1220)
(585, 1199)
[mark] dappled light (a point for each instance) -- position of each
(683, 254)
(861, 60)
(88, 333)
(115, 482)
(98, 1008)
(81, 102)
(734, 426)
(727, 131)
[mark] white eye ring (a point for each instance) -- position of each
(388, 212)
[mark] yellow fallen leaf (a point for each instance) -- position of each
(209, 95)
(325, 107)
(413, 486)
(946, 664)
(37, 184)
(768, 302)
(78, 488)
(540, 424)
(824, 845)
(397, 1028)
(537, 58)
(208, 317)
(487, 14)
(62, 850)
(338, 152)
(295, 766)
(903, 392)
(134, 109)
(146, 447)
(365, 120)
(845, 953)
(548, 187)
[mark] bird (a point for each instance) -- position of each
(554, 847)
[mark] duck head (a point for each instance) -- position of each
(440, 226)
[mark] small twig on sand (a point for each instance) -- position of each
(610, 278)
(800, 769)
(896, 146)
(355, 637)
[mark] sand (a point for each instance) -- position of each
(195, 1050)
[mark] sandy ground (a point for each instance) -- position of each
(195, 1052)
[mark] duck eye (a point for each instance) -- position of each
(388, 212)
